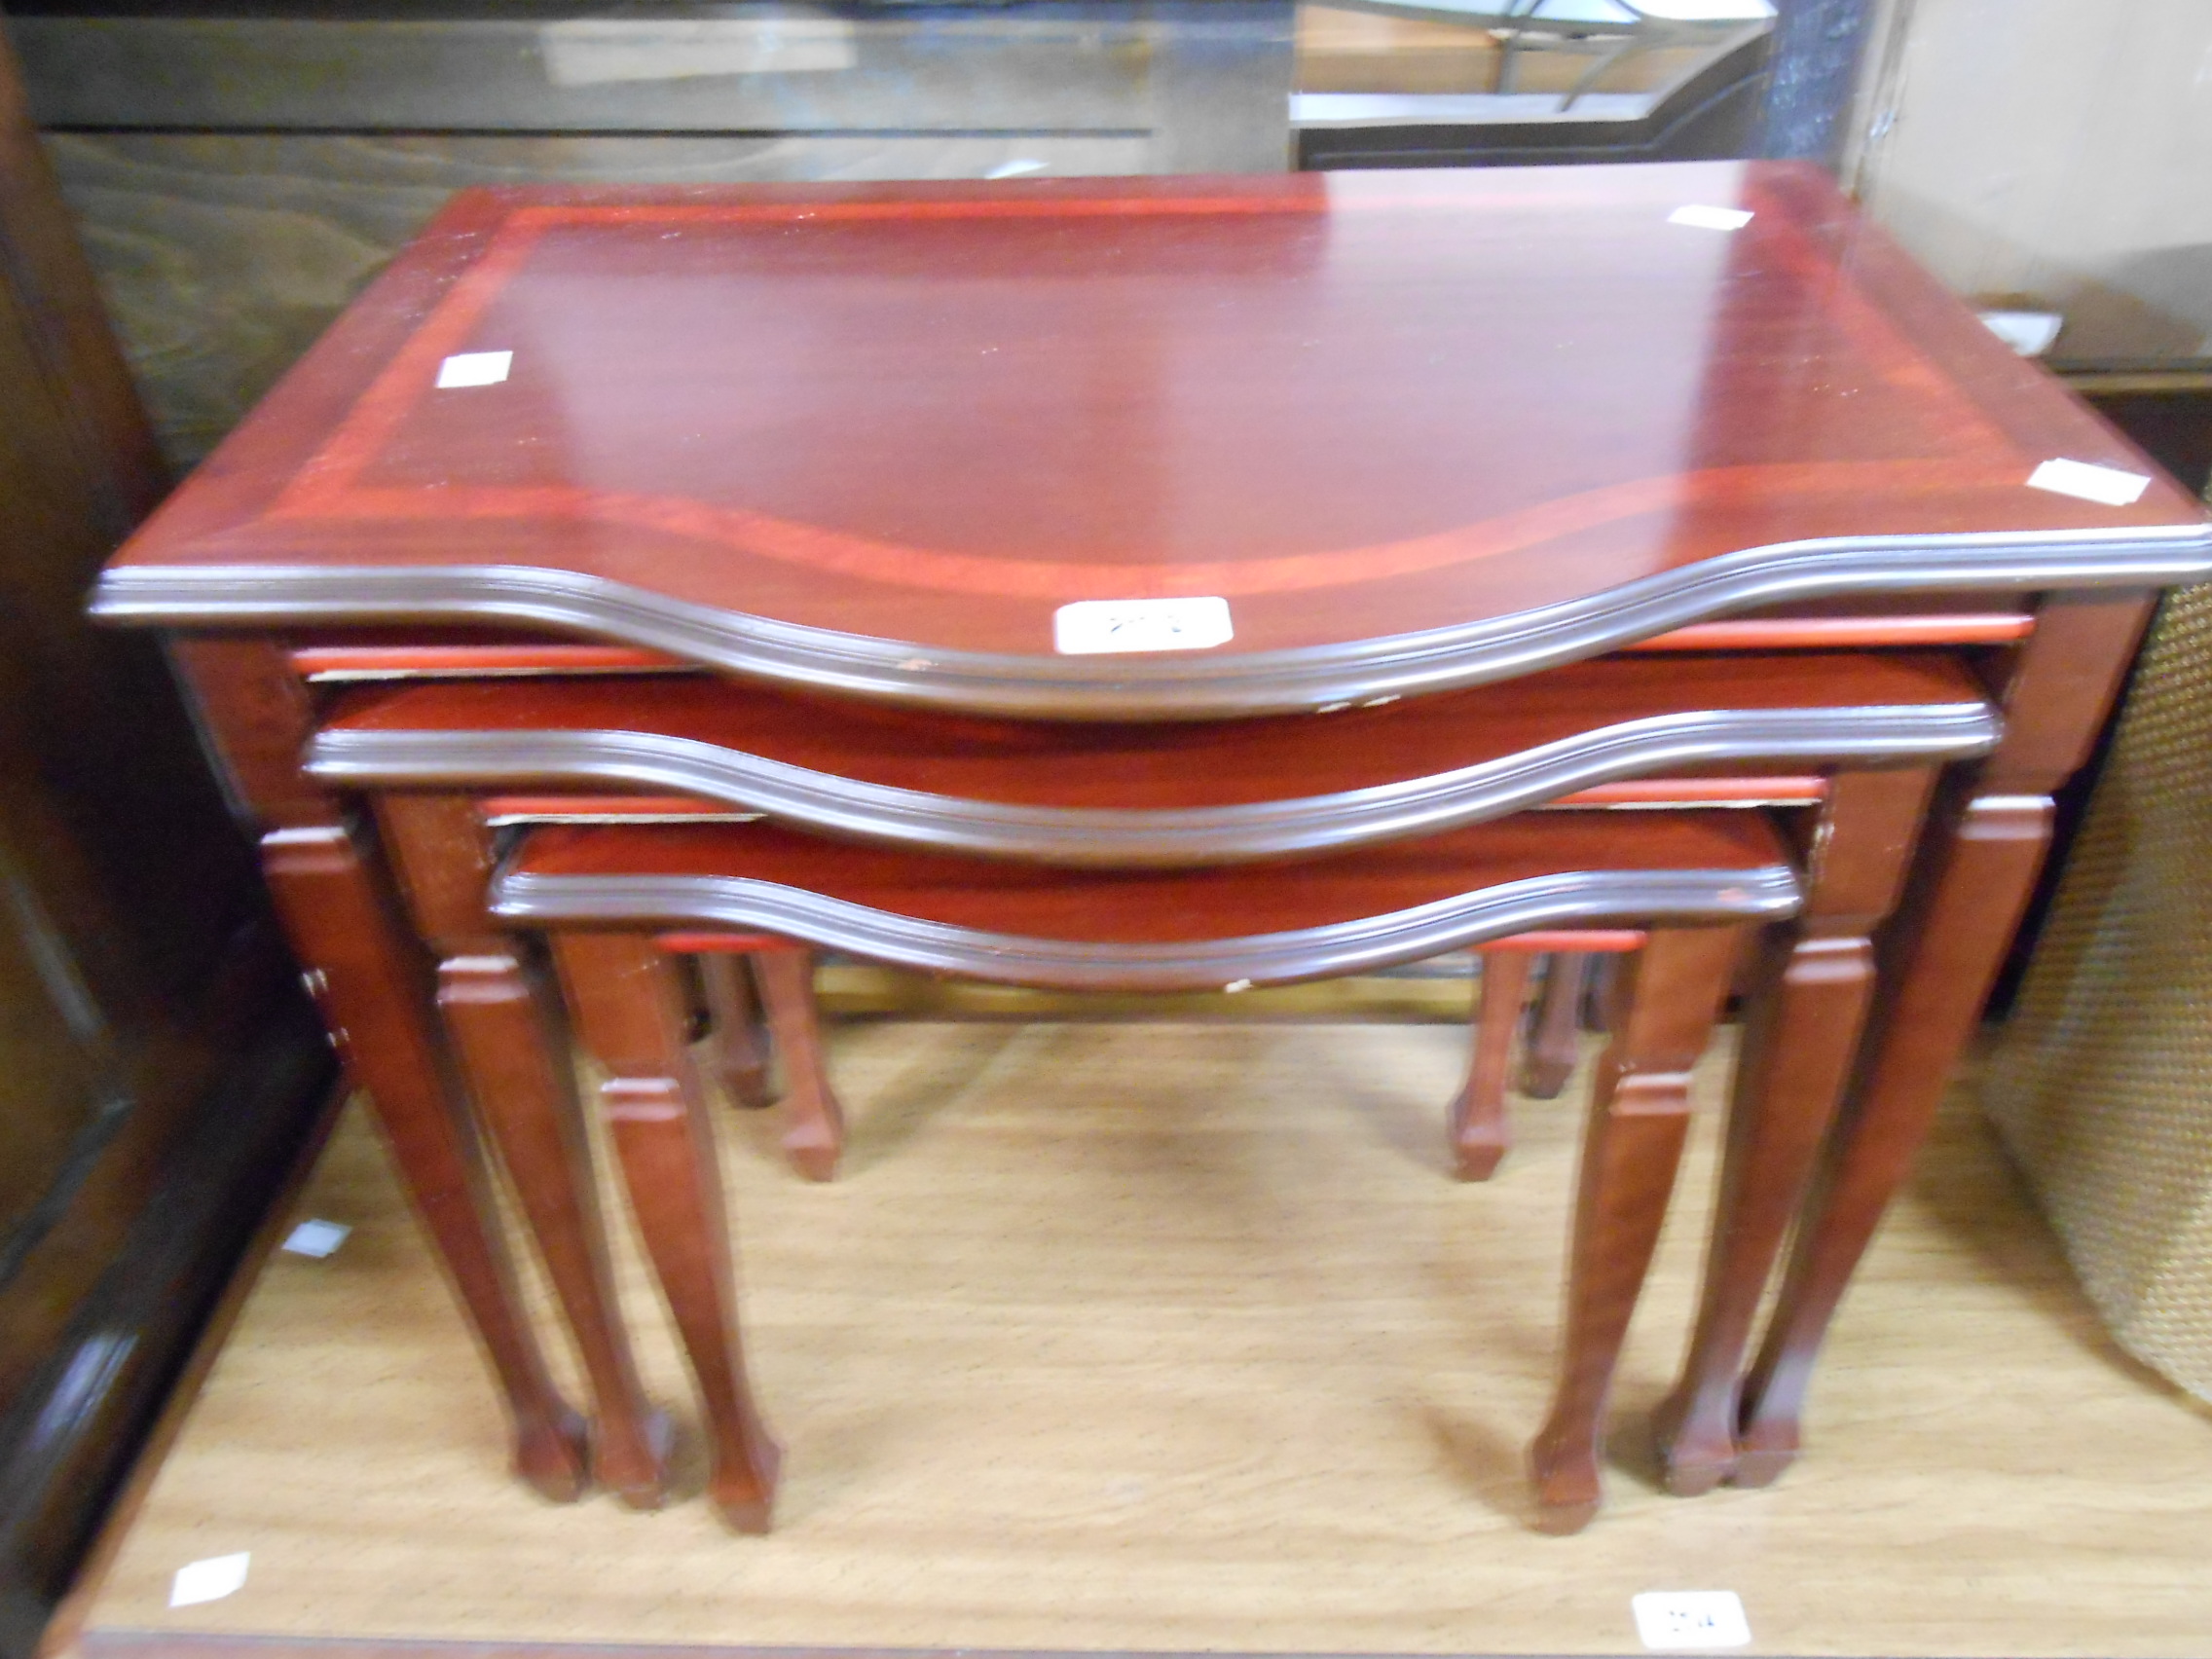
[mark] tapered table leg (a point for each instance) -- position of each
(506, 1026)
(737, 1036)
(1802, 1032)
(371, 984)
(1481, 1129)
(516, 1060)
(813, 1124)
(1555, 1035)
(630, 1013)
(1976, 878)
(1799, 1038)
(1667, 997)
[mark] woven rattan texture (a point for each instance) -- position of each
(2102, 1083)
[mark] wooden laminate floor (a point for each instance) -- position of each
(1176, 1337)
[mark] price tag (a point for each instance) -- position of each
(316, 1238)
(474, 368)
(2106, 484)
(1709, 218)
(1102, 625)
(1675, 1620)
(208, 1580)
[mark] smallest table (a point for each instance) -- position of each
(616, 897)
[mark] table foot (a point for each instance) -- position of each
(1696, 1452)
(1563, 1469)
(553, 1457)
(1555, 1035)
(1481, 1131)
(814, 1139)
(639, 1479)
(1763, 1465)
(744, 1495)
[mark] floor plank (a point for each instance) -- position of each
(1176, 1337)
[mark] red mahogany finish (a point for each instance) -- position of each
(1163, 766)
(592, 887)
(871, 437)
(816, 469)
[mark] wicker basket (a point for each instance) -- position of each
(2102, 1083)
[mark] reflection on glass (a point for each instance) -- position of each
(1469, 82)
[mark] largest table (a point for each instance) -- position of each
(1161, 449)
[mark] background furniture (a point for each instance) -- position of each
(160, 1077)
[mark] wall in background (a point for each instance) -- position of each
(239, 178)
(2055, 155)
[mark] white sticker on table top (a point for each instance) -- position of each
(2107, 484)
(1100, 625)
(1704, 218)
(1685, 1620)
(208, 1580)
(474, 368)
(316, 1238)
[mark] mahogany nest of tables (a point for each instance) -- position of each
(1282, 450)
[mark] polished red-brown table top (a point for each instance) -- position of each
(1412, 431)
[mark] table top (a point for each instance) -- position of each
(1281, 441)
(1163, 793)
(1234, 926)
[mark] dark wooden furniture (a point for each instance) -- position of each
(160, 1072)
(1390, 436)
(241, 174)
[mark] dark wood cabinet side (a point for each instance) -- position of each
(144, 994)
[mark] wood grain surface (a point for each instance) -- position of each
(1497, 419)
(1068, 1362)
(1233, 927)
(1181, 793)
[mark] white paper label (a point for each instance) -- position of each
(1709, 218)
(2106, 484)
(316, 1238)
(2029, 333)
(1099, 625)
(208, 1580)
(591, 51)
(475, 368)
(1678, 1619)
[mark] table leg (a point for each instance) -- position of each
(1481, 1131)
(1669, 995)
(1799, 1038)
(813, 1125)
(1555, 1036)
(629, 1010)
(513, 1045)
(1803, 1029)
(1977, 876)
(369, 983)
(1977, 870)
(519, 1078)
(735, 1028)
